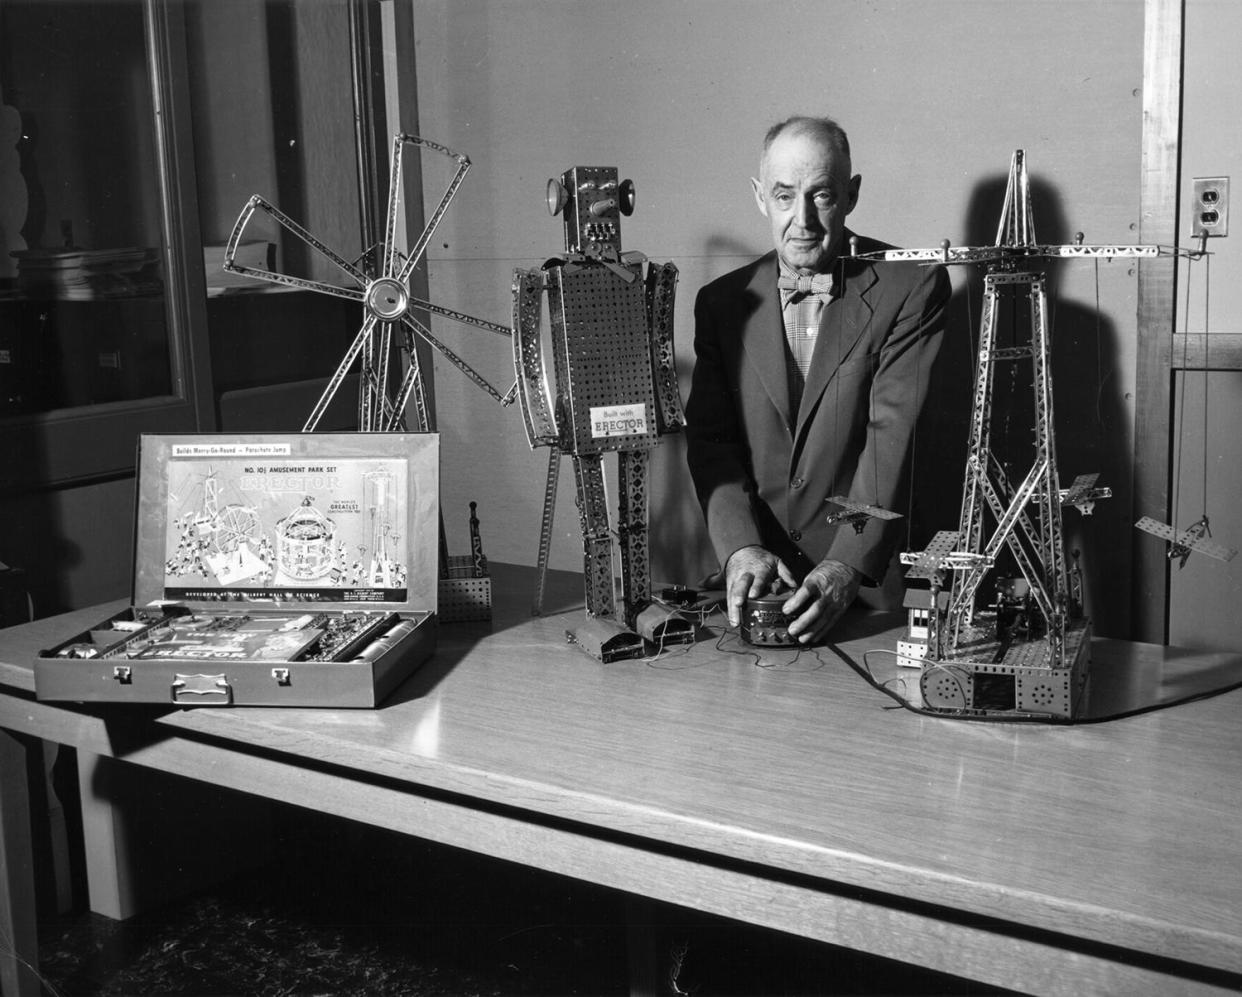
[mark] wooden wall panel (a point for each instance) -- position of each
(273, 115)
(1162, 84)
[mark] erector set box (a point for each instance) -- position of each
(269, 570)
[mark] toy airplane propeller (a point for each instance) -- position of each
(1082, 494)
(1191, 539)
(857, 513)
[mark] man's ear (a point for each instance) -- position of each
(757, 187)
(855, 183)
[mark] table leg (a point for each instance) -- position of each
(655, 947)
(640, 945)
(58, 830)
(152, 837)
(19, 942)
(106, 837)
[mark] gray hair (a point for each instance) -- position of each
(822, 128)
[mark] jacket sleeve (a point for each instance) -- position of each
(716, 449)
(898, 391)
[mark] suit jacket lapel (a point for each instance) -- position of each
(841, 326)
(763, 337)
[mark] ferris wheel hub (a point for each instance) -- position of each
(387, 299)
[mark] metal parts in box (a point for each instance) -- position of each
(222, 658)
(269, 571)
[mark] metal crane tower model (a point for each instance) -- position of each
(615, 390)
(1027, 654)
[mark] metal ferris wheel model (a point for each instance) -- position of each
(387, 306)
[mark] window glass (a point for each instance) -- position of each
(82, 310)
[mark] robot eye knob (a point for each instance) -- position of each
(625, 197)
(558, 196)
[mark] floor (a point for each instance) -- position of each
(346, 909)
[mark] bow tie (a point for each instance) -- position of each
(798, 286)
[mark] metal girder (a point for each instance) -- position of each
(632, 467)
(596, 536)
(545, 528)
(661, 289)
(532, 379)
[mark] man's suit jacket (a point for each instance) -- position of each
(762, 472)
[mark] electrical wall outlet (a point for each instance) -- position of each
(1211, 206)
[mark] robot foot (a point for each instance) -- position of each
(607, 640)
(664, 627)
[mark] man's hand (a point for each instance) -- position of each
(826, 593)
(749, 573)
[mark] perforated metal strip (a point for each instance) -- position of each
(632, 466)
(334, 382)
(257, 203)
(411, 388)
(451, 357)
(661, 292)
(596, 537)
(545, 528)
(532, 383)
(420, 247)
(456, 316)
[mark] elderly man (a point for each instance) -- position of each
(811, 368)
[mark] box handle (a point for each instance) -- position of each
(202, 690)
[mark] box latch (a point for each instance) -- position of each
(202, 690)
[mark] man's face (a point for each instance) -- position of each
(805, 191)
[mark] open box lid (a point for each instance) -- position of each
(326, 520)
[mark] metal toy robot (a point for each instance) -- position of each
(615, 390)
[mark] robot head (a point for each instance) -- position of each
(593, 203)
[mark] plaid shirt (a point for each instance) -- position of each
(801, 314)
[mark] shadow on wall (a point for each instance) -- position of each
(680, 549)
(1088, 410)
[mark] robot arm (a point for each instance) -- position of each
(661, 288)
(532, 381)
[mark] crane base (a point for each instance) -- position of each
(985, 676)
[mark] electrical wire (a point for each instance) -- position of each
(729, 641)
(1207, 368)
(1174, 512)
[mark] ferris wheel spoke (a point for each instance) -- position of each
(420, 246)
(257, 203)
(338, 376)
(422, 331)
(456, 316)
(411, 387)
(391, 255)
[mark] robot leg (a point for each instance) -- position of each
(600, 634)
(596, 539)
(658, 624)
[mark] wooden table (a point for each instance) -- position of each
(1100, 858)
